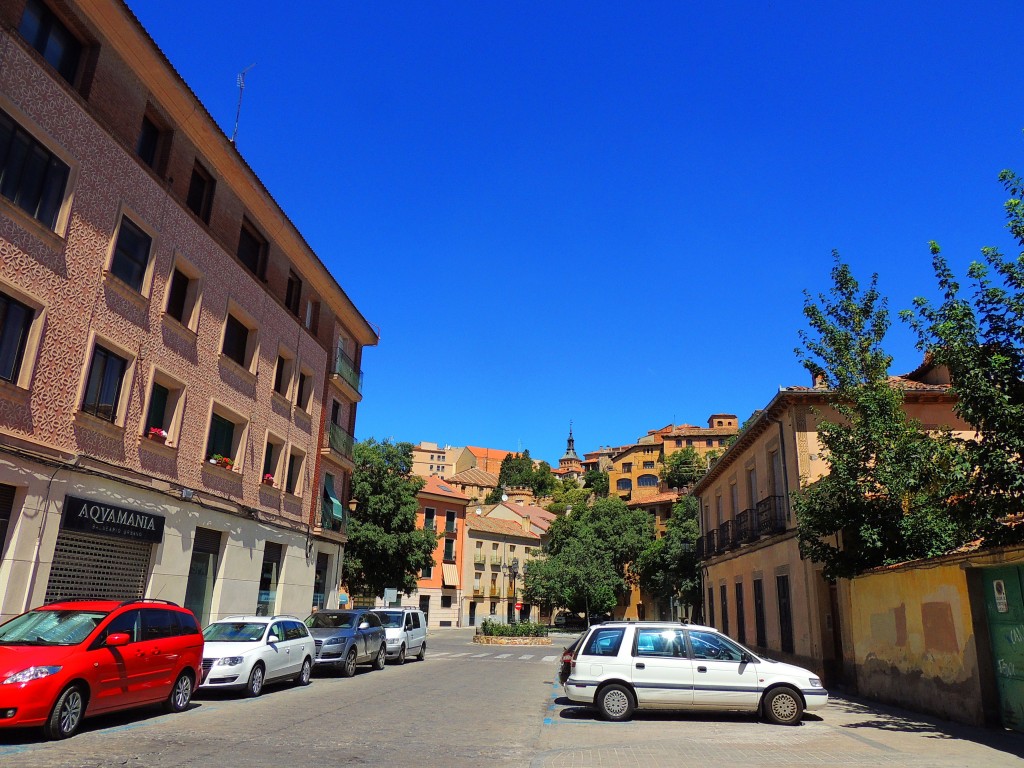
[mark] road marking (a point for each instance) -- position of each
(549, 658)
(503, 655)
(440, 653)
(456, 655)
(479, 655)
(526, 657)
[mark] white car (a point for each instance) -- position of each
(406, 632)
(250, 651)
(621, 666)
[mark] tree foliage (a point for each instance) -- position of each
(517, 471)
(683, 468)
(884, 498)
(596, 481)
(385, 548)
(668, 567)
(590, 557)
(980, 338)
(567, 493)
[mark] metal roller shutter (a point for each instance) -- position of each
(86, 566)
(6, 512)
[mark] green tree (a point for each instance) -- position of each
(683, 468)
(568, 493)
(668, 567)
(980, 339)
(596, 481)
(385, 548)
(517, 471)
(884, 498)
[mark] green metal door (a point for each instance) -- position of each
(1004, 604)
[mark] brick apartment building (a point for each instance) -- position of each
(159, 316)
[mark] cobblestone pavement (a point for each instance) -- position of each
(468, 705)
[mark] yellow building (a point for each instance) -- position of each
(757, 588)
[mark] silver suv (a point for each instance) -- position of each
(622, 666)
(406, 630)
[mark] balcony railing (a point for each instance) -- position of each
(345, 367)
(450, 530)
(700, 548)
(495, 559)
(771, 512)
(340, 441)
(429, 525)
(495, 592)
(725, 538)
(478, 592)
(711, 543)
(479, 558)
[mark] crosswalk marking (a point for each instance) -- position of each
(503, 655)
(445, 653)
(526, 657)
(456, 655)
(549, 658)
(479, 655)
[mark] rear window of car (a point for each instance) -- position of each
(294, 630)
(604, 642)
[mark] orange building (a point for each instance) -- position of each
(439, 589)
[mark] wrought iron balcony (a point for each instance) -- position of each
(711, 543)
(345, 367)
(725, 540)
(450, 531)
(479, 558)
(699, 550)
(341, 442)
(741, 530)
(771, 512)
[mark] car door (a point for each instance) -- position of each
(374, 635)
(276, 655)
(662, 668)
(160, 645)
(119, 671)
(722, 678)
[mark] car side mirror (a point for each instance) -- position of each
(272, 639)
(364, 625)
(118, 639)
(746, 658)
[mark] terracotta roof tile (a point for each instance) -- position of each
(439, 487)
(475, 476)
(498, 525)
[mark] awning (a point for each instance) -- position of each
(450, 574)
(331, 504)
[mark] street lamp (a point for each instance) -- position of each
(513, 572)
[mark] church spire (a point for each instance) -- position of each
(570, 448)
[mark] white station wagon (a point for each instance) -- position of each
(626, 665)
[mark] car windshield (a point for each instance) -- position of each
(50, 627)
(324, 620)
(235, 632)
(392, 618)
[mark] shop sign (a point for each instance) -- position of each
(90, 516)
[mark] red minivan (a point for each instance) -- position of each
(66, 661)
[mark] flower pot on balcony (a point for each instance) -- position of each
(157, 438)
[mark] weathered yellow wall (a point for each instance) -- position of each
(914, 644)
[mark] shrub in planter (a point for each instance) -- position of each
(522, 629)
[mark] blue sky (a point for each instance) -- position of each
(607, 212)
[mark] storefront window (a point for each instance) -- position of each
(202, 574)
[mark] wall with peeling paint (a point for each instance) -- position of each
(914, 642)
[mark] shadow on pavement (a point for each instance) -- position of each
(125, 720)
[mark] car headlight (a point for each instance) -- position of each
(332, 641)
(32, 673)
(229, 661)
(815, 682)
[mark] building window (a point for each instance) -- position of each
(252, 249)
(158, 414)
(449, 521)
(15, 324)
(689, 441)
(725, 609)
(679, 443)
(131, 254)
(624, 484)
(648, 465)
(627, 466)
(428, 518)
(221, 440)
(282, 375)
(293, 295)
(710, 443)
(760, 628)
(200, 192)
(153, 143)
(304, 390)
(449, 550)
(31, 176)
(239, 342)
(292, 483)
(741, 619)
(647, 481)
(446, 601)
(785, 613)
(51, 38)
(103, 386)
(427, 572)
(183, 294)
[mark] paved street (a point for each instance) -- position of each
(470, 705)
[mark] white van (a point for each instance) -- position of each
(406, 630)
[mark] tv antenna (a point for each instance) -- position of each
(240, 80)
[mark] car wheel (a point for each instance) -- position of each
(423, 651)
(348, 669)
(783, 706)
(615, 703)
(305, 673)
(401, 655)
(67, 714)
(382, 655)
(181, 694)
(256, 679)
